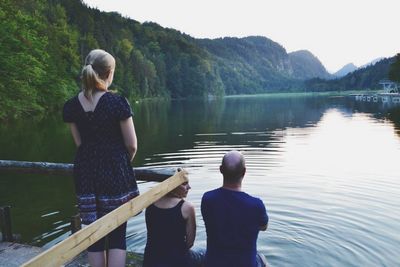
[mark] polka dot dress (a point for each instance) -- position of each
(103, 176)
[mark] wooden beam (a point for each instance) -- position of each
(81, 240)
(141, 173)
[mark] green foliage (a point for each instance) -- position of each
(251, 65)
(361, 79)
(44, 44)
(23, 61)
(38, 58)
(394, 71)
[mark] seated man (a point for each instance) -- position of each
(233, 219)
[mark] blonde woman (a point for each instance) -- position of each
(103, 131)
(171, 231)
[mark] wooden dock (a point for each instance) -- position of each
(14, 255)
(385, 98)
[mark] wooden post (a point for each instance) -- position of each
(76, 224)
(5, 223)
(76, 243)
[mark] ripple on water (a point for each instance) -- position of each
(319, 215)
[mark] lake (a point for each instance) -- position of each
(326, 168)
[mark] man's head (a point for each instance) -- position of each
(233, 167)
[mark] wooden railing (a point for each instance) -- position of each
(72, 246)
(141, 173)
(81, 240)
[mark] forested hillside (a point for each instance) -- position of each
(394, 71)
(257, 64)
(39, 62)
(306, 66)
(361, 79)
(43, 44)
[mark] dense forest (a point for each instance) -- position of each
(361, 79)
(394, 70)
(43, 44)
(257, 64)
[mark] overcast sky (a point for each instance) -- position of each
(336, 31)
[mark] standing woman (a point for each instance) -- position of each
(102, 128)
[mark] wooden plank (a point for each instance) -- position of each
(141, 173)
(81, 240)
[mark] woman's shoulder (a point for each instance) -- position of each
(70, 109)
(187, 209)
(115, 96)
(116, 99)
(119, 105)
(71, 104)
(186, 204)
(71, 101)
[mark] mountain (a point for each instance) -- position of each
(351, 67)
(249, 65)
(360, 79)
(256, 64)
(306, 66)
(345, 70)
(51, 38)
(371, 62)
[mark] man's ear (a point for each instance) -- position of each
(244, 171)
(221, 169)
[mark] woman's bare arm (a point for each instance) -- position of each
(75, 134)
(129, 135)
(189, 215)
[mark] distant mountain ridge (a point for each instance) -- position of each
(345, 70)
(360, 79)
(179, 65)
(151, 61)
(262, 63)
(372, 62)
(306, 66)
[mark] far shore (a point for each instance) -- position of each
(291, 94)
(271, 94)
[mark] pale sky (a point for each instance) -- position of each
(336, 31)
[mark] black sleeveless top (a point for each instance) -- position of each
(166, 237)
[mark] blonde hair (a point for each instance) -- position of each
(98, 65)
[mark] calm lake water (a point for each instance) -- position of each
(326, 168)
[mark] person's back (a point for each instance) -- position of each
(166, 231)
(233, 220)
(101, 126)
(171, 230)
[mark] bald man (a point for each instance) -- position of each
(233, 219)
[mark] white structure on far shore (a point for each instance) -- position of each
(389, 87)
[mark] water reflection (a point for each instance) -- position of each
(325, 168)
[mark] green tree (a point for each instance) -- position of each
(394, 71)
(23, 61)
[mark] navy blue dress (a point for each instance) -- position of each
(103, 176)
